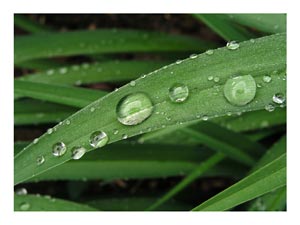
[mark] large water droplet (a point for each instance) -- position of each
(98, 139)
(78, 152)
(24, 206)
(134, 109)
(21, 191)
(59, 149)
(278, 98)
(178, 93)
(240, 90)
(232, 45)
(40, 160)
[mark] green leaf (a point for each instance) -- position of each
(39, 64)
(259, 58)
(224, 27)
(202, 168)
(44, 203)
(71, 96)
(270, 23)
(29, 25)
(262, 181)
(102, 41)
(110, 71)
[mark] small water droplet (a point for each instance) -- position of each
(264, 124)
(228, 113)
(270, 107)
(193, 56)
(258, 85)
(232, 45)
(85, 65)
(240, 90)
(267, 79)
(78, 152)
(92, 109)
(252, 41)
(21, 191)
(205, 118)
(63, 70)
(134, 108)
(209, 52)
(49, 131)
(216, 79)
(75, 67)
(178, 93)
(143, 76)
(210, 78)
(178, 62)
(78, 82)
(40, 160)
(278, 98)
(24, 206)
(36, 140)
(124, 136)
(168, 118)
(50, 72)
(98, 139)
(59, 149)
(68, 122)
(132, 83)
(116, 131)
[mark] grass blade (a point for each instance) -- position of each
(262, 181)
(102, 41)
(262, 57)
(224, 27)
(44, 203)
(29, 25)
(204, 166)
(39, 64)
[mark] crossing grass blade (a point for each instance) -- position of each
(270, 23)
(258, 59)
(102, 41)
(221, 24)
(264, 180)
(29, 25)
(44, 203)
(110, 71)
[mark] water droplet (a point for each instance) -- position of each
(85, 65)
(36, 140)
(78, 152)
(24, 206)
(78, 82)
(232, 45)
(132, 83)
(143, 76)
(264, 124)
(59, 149)
(49, 131)
(168, 118)
(278, 98)
(210, 78)
(216, 79)
(50, 72)
(267, 79)
(178, 62)
(98, 139)
(270, 107)
(205, 118)
(209, 52)
(252, 41)
(228, 113)
(92, 109)
(193, 56)
(21, 191)
(75, 67)
(134, 109)
(124, 136)
(240, 90)
(178, 93)
(63, 70)
(116, 131)
(68, 122)
(258, 85)
(40, 160)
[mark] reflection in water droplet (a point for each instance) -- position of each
(178, 93)
(278, 98)
(134, 109)
(98, 139)
(240, 90)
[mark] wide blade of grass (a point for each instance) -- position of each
(204, 166)
(262, 181)
(110, 71)
(29, 111)
(270, 23)
(102, 41)
(259, 58)
(44, 203)
(29, 25)
(222, 25)
(71, 96)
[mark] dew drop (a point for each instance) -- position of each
(193, 56)
(216, 79)
(267, 79)
(210, 78)
(178, 93)
(40, 160)
(98, 139)
(85, 65)
(78, 152)
(240, 90)
(270, 107)
(116, 131)
(63, 70)
(59, 149)
(50, 72)
(252, 41)
(21, 191)
(36, 140)
(232, 45)
(178, 62)
(49, 131)
(92, 109)
(24, 206)
(278, 98)
(205, 118)
(209, 52)
(134, 108)
(132, 83)
(68, 122)
(124, 136)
